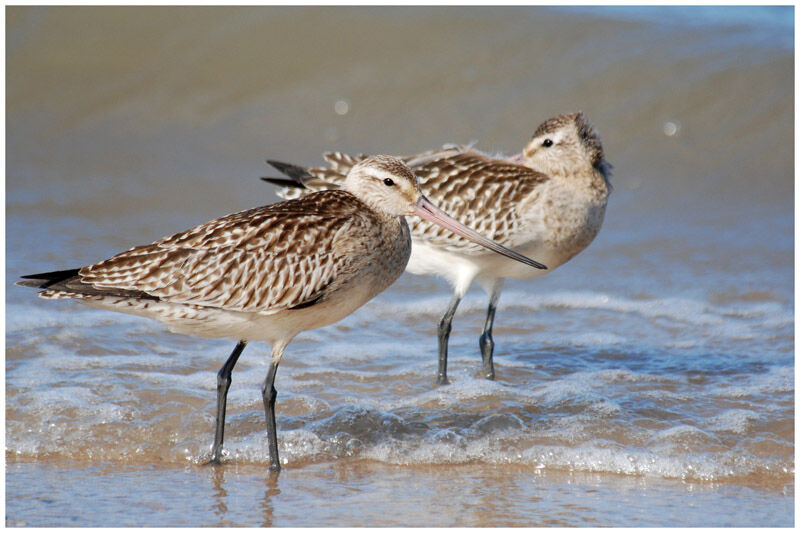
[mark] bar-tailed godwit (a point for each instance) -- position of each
(548, 202)
(270, 272)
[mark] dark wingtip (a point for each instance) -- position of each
(46, 279)
(293, 171)
(283, 182)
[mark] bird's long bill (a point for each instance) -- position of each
(425, 209)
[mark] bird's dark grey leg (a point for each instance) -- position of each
(223, 384)
(268, 393)
(444, 337)
(486, 341)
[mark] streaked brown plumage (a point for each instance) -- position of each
(221, 263)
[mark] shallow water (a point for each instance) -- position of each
(650, 381)
(364, 493)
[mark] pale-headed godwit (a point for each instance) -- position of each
(548, 202)
(270, 272)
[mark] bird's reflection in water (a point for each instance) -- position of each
(220, 507)
(271, 491)
(220, 494)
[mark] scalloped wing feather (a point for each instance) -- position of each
(478, 190)
(261, 260)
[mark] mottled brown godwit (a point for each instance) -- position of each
(548, 202)
(270, 272)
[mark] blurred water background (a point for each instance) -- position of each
(650, 381)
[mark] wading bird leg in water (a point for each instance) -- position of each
(223, 384)
(486, 341)
(445, 325)
(269, 394)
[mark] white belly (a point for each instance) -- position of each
(548, 236)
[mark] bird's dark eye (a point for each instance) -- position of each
(388, 182)
(547, 143)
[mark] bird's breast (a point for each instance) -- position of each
(559, 223)
(377, 258)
